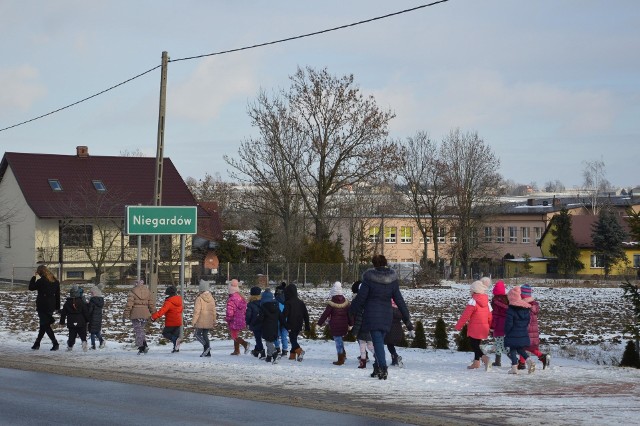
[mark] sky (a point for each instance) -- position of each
(580, 387)
(548, 85)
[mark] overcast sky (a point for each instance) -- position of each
(548, 84)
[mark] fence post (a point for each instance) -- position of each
(304, 283)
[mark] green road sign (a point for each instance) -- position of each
(162, 220)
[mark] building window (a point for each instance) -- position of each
(77, 236)
(525, 234)
(55, 184)
(597, 261)
(7, 243)
(487, 234)
(99, 186)
(406, 234)
(453, 238)
(75, 275)
(374, 234)
(538, 233)
(636, 260)
(513, 234)
(390, 234)
(442, 235)
(166, 250)
(499, 235)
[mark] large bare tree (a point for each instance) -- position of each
(595, 182)
(472, 178)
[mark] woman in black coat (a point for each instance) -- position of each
(47, 301)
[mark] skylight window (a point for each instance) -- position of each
(55, 184)
(99, 186)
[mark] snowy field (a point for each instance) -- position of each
(581, 328)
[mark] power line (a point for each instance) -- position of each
(341, 27)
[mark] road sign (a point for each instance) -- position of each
(162, 220)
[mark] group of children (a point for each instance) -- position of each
(82, 317)
(511, 318)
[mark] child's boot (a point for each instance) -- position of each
(382, 375)
(394, 359)
(363, 362)
(284, 352)
(246, 345)
(292, 355)
(475, 364)
(341, 358)
(300, 354)
(531, 364)
(236, 348)
(498, 361)
(102, 344)
(513, 369)
(487, 362)
(545, 359)
(376, 370)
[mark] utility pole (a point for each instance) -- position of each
(157, 190)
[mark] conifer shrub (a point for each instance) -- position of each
(404, 343)
(349, 337)
(440, 337)
(313, 331)
(326, 333)
(420, 340)
(630, 357)
(462, 341)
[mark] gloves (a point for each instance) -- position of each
(412, 334)
(409, 326)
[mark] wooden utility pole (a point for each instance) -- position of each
(157, 191)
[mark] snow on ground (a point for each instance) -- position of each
(572, 391)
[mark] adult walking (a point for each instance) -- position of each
(139, 307)
(379, 286)
(47, 302)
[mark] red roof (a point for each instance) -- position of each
(128, 181)
(582, 228)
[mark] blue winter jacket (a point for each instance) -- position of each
(516, 327)
(379, 286)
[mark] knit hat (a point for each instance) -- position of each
(267, 296)
(234, 286)
(75, 291)
(171, 291)
(281, 286)
(515, 298)
(95, 291)
(498, 289)
(255, 291)
(478, 287)
(203, 285)
(336, 289)
(356, 286)
(526, 291)
(139, 282)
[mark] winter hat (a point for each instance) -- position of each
(478, 287)
(281, 286)
(515, 298)
(95, 291)
(356, 286)
(75, 291)
(336, 289)
(234, 286)
(498, 289)
(139, 282)
(203, 285)
(255, 291)
(526, 291)
(267, 296)
(171, 291)
(486, 281)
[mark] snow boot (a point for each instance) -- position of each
(236, 348)
(276, 358)
(545, 359)
(498, 361)
(300, 354)
(363, 363)
(141, 350)
(102, 344)
(246, 345)
(394, 359)
(284, 353)
(146, 347)
(475, 364)
(513, 369)
(382, 375)
(292, 355)
(521, 365)
(341, 358)
(531, 364)
(376, 370)
(255, 352)
(205, 352)
(487, 363)
(269, 358)
(36, 346)
(56, 346)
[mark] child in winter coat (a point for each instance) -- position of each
(283, 334)
(236, 317)
(295, 316)
(172, 308)
(516, 335)
(394, 337)
(139, 307)
(499, 304)
(363, 337)
(337, 312)
(254, 320)
(478, 316)
(526, 293)
(95, 305)
(270, 318)
(75, 313)
(204, 317)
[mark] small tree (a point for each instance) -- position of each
(462, 341)
(313, 331)
(564, 247)
(326, 333)
(441, 340)
(630, 356)
(632, 295)
(526, 265)
(404, 343)
(420, 340)
(607, 235)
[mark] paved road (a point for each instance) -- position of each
(35, 398)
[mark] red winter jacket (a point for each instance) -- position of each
(478, 315)
(172, 308)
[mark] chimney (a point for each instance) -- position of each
(82, 151)
(530, 202)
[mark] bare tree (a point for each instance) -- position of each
(554, 186)
(472, 178)
(595, 182)
(214, 188)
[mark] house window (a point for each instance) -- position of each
(166, 251)
(99, 186)
(537, 231)
(77, 236)
(442, 235)
(513, 234)
(374, 234)
(636, 260)
(453, 238)
(487, 234)
(406, 234)
(75, 275)
(597, 261)
(525, 234)
(499, 235)
(7, 243)
(390, 234)
(55, 184)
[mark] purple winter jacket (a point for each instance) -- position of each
(337, 311)
(500, 304)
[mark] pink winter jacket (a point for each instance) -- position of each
(236, 311)
(534, 330)
(478, 315)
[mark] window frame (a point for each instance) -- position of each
(513, 234)
(55, 185)
(390, 234)
(524, 231)
(500, 234)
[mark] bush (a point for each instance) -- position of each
(349, 337)
(630, 357)
(462, 341)
(326, 333)
(420, 340)
(441, 340)
(313, 331)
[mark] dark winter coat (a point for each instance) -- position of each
(516, 324)
(534, 330)
(48, 298)
(270, 315)
(252, 317)
(75, 313)
(395, 334)
(379, 286)
(95, 305)
(337, 312)
(500, 304)
(295, 311)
